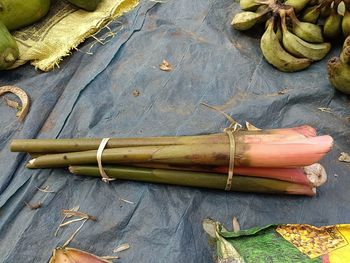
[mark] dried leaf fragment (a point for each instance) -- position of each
(235, 225)
(251, 127)
(34, 206)
(136, 93)
(282, 92)
(12, 104)
(73, 255)
(165, 66)
(126, 201)
(45, 189)
(328, 110)
(121, 248)
(344, 157)
(23, 110)
(70, 213)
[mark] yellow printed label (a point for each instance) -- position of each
(313, 241)
(341, 255)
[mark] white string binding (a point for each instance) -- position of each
(105, 177)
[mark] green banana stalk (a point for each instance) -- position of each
(245, 20)
(300, 48)
(298, 5)
(276, 55)
(311, 14)
(339, 75)
(333, 24)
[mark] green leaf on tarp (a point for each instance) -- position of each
(248, 232)
(255, 245)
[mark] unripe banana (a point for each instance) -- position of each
(245, 20)
(345, 55)
(277, 56)
(333, 25)
(249, 5)
(300, 48)
(339, 75)
(346, 23)
(311, 14)
(298, 5)
(307, 31)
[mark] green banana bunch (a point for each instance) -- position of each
(300, 48)
(291, 43)
(339, 69)
(275, 54)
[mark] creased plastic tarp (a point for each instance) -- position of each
(92, 96)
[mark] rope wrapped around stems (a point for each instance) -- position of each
(105, 177)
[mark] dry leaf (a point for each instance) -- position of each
(126, 201)
(328, 110)
(23, 97)
(34, 206)
(251, 127)
(121, 248)
(70, 213)
(136, 93)
(165, 66)
(73, 255)
(344, 157)
(282, 92)
(45, 189)
(235, 225)
(12, 103)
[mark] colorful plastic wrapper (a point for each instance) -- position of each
(281, 243)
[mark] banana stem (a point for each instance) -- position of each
(300, 152)
(198, 179)
(314, 174)
(42, 146)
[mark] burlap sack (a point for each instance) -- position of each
(46, 42)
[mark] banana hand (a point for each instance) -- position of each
(277, 56)
(300, 48)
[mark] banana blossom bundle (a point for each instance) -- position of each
(265, 161)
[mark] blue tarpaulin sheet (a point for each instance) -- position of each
(93, 96)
